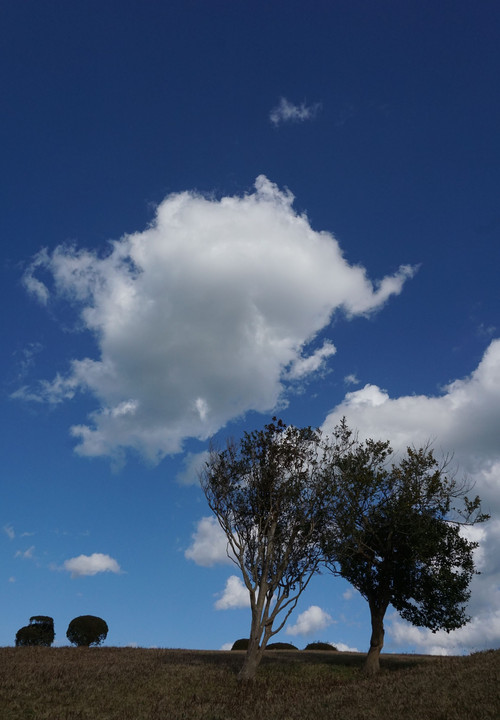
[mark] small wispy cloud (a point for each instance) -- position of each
(304, 366)
(285, 111)
(91, 565)
(9, 531)
(26, 554)
(351, 379)
(192, 466)
(32, 284)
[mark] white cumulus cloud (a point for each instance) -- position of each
(210, 312)
(209, 544)
(312, 620)
(286, 111)
(235, 595)
(91, 565)
(464, 419)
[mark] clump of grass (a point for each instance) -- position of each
(137, 684)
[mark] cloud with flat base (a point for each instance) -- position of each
(88, 565)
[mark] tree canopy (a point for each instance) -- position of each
(266, 495)
(40, 631)
(87, 630)
(291, 500)
(394, 533)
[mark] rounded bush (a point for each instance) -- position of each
(87, 630)
(241, 644)
(39, 632)
(281, 646)
(320, 646)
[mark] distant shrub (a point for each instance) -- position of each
(320, 646)
(241, 644)
(40, 632)
(281, 646)
(87, 630)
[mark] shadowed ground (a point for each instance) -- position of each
(139, 684)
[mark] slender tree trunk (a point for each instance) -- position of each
(254, 652)
(372, 662)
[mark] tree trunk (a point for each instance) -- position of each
(250, 665)
(372, 662)
(253, 654)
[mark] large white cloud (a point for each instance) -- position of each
(312, 620)
(206, 314)
(463, 420)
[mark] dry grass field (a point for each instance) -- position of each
(136, 684)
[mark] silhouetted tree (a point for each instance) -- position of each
(265, 493)
(394, 534)
(87, 630)
(40, 631)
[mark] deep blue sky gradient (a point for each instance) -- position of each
(106, 108)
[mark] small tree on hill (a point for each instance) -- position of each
(266, 496)
(394, 534)
(40, 632)
(87, 630)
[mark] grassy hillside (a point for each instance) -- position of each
(136, 684)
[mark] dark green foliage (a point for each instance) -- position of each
(41, 620)
(87, 630)
(281, 646)
(394, 533)
(241, 644)
(40, 632)
(320, 646)
(395, 544)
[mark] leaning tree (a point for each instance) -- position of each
(266, 495)
(394, 532)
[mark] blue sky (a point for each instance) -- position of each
(213, 212)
